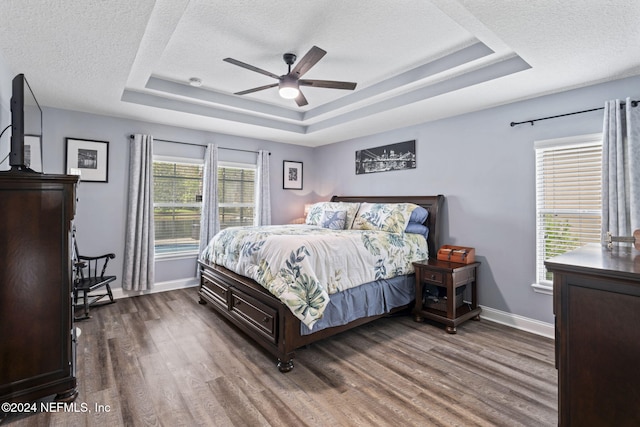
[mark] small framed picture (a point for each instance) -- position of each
(88, 158)
(32, 153)
(292, 175)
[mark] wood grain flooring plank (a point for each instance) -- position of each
(164, 359)
(147, 308)
(299, 392)
(134, 403)
(104, 410)
(235, 403)
(135, 328)
(395, 398)
(163, 391)
(202, 403)
(95, 369)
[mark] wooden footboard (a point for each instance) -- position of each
(268, 321)
(252, 309)
(261, 315)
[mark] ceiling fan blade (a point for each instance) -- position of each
(301, 100)
(256, 89)
(250, 67)
(314, 55)
(331, 84)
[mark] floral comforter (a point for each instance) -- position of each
(302, 265)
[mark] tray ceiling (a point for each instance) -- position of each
(414, 60)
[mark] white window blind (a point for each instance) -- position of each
(177, 193)
(568, 197)
(236, 194)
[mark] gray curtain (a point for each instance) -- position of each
(139, 239)
(263, 194)
(209, 222)
(621, 168)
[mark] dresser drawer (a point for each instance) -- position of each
(219, 293)
(256, 315)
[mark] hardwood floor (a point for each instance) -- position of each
(161, 359)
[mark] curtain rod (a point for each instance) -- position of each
(633, 104)
(200, 145)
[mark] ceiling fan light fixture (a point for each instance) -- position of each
(288, 88)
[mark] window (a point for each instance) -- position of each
(236, 194)
(568, 198)
(177, 203)
(177, 186)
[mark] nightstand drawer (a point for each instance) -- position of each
(433, 277)
(464, 276)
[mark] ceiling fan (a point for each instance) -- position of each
(289, 84)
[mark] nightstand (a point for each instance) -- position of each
(448, 277)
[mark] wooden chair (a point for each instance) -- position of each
(87, 281)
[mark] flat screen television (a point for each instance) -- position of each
(26, 121)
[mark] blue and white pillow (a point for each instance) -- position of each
(389, 217)
(333, 220)
(315, 212)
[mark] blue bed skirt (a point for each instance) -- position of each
(370, 299)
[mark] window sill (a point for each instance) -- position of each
(174, 257)
(542, 289)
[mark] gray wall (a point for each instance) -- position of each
(100, 216)
(6, 75)
(486, 170)
(101, 206)
(483, 166)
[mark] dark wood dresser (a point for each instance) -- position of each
(36, 321)
(596, 300)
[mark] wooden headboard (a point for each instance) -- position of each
(430, 203)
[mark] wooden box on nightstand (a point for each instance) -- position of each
(450, 276)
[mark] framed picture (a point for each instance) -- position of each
(32, 153)
(392, 157)
(292, 175)
(88, 158)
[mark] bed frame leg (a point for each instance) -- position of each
(285, 366)
(202, 301)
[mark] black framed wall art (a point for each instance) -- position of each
(88, 158)
(398, 156)
(292, 175)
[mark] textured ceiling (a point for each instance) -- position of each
(413, 60)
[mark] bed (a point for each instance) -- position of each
(281, 330)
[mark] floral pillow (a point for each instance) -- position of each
(315, 212)
(389, 217)
(333, 220)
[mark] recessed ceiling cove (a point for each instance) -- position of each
(398, 55)
(413, 61)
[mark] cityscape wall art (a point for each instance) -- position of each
(392, 157)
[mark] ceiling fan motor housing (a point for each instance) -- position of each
(289, 59)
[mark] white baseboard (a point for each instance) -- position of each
(519, 322)
(157, 287)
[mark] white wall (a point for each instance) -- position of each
(486, 170)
